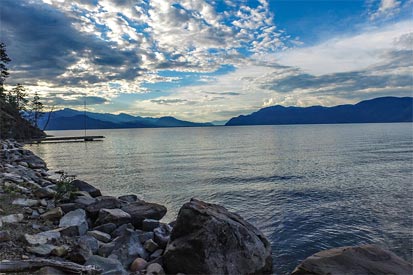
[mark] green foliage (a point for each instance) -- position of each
(64, 186)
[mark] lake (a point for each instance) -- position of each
(307, 187)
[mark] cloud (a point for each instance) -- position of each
(62, 101)
(387, 8)
(343, 54)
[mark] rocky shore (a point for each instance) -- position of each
(51, 223)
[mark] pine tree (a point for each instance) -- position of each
(37, 109)
(4, 59)
(17, 98)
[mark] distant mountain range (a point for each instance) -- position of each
(383, 109)
(69, 119)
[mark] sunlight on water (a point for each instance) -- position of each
(307, 187)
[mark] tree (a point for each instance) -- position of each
(17, 98)
(37, 109)
(4, 73)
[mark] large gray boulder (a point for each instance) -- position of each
(116, 216)
(141, 210)
(75, 220)
(84, 186)
(361, 260)
(101, 202)
(208, 239)
(127, 248)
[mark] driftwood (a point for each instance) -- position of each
(35, 264)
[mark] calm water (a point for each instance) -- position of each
(307, 188)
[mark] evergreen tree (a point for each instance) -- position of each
(36, 109)
(4, 59)
(17, 98)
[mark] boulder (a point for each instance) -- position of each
(45, 192)
(155, 269)
(141, 210)
(150, 246)
(42, 237)
(26, 202)
(121, 230)
(360, 260)
(127, 248)
(149, 224)
(208, 239)
(100, 236)
(138, 264)
(84, 201)
(128, 198)
(116, 216)
(158, 253)
(108, 266)
(79, 254)
(75, 219)
(41, 250)
(162, 235)
(106, 202)
(107, 227)
(89, 242)
(67, 207)
(84, 186)
(53, 214)
(13, 218)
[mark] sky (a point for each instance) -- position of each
(208, 60)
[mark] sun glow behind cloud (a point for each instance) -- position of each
(197, 59)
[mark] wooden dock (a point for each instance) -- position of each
(67, 139)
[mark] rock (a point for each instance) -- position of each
(108, 266)
(41, 250)
(144, 236)
(60, 251)
(52, 214)
(84, 201)
(138, 264)
(13, 218)
(44, 192)
(162, 235)
(150, 246)
(116, 216)
(84, 186)
(121, 230)
(4, 236)
(41, 238)
(89, 242)
(106, 202)
(67, 207)
(208, 239)
(48, 270)
(75, 219)
(43, 202)
(101, 236)
(79, 254)
(106, 249)
(81, 194)
(141, 210)
(127, 248)
(360, 260)
(149, 224)
(26, 202)
(107, 227)
(128, 198)
(155, 269)
(156, 254)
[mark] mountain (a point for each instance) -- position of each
(382, 109)
(69, 119)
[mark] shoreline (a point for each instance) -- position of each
(52, 217)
